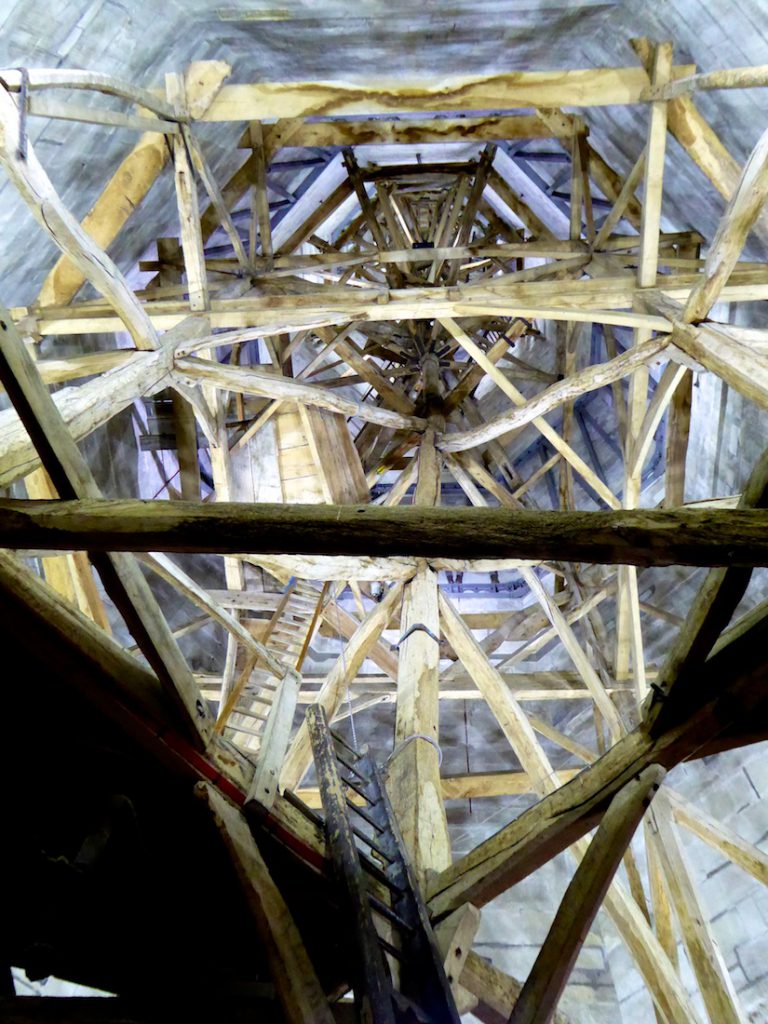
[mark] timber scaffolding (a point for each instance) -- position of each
(432, 273)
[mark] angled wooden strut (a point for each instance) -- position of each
(120, 574)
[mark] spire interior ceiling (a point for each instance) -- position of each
(468, 305)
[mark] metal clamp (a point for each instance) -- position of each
(416, 626)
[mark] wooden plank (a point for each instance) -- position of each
(296, 984)
(337, 459)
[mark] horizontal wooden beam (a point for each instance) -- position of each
(519, 89)
(415, 131)
(732, 537)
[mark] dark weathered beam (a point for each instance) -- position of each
(710, 537)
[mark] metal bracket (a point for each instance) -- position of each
(416, 626)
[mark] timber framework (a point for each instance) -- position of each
(388, 330)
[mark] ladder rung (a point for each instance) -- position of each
(356, 788)
(350, 767)
(388, 912)
(246, 730)
(250, 714)
(380, 875)
(392, 950)
(257, 698)
(340, 740)
(364, 815)
(372, 843)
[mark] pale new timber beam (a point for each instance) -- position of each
(699, 140)
(629, 636)
(37, 191)
(643, 537)
(720, 837)
(586, 891)
(413, 778)
(474, 350)
(740, 216)
(589, 379)
(296, 984)
(122, 578)
(252, 380)
(129, 185)
(715, 984)
(592, 87)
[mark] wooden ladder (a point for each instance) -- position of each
(360, 830)
(256, 693)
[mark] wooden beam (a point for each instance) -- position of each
(715, 984)
(741, 214)
(591, 87)
(120, 573)
(699, 140)
(539, 422)
(251, 380)
(417, 131)
(129, 185)
(296, 984)
(578, 908)
(643, 537)
(37, 191)
(582, 382)
(333, 689)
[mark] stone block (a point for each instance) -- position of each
(753, 958)
(721, 891)
(636, 1008)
